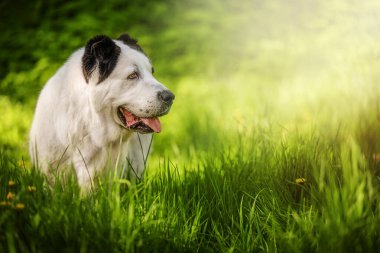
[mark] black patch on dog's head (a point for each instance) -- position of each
(100, 52)
(131, 42)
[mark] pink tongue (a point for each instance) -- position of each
(153, 123)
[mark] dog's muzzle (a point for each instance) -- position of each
(147, 124)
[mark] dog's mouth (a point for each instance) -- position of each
(135, 123)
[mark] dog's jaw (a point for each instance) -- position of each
(138, 124)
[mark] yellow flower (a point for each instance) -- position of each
(10, 195)
(300, 180)
(19, 206)
(11, 183)
(32, 189)
(5, 203)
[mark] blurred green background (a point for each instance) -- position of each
(272, 143)
(236, 66)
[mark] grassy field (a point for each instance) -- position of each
(272, 144)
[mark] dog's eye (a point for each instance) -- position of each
(132, 76)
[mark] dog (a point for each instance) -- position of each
(99, 110)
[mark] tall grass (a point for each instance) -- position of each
(241, 198)
(272, 144)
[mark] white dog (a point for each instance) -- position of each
(91, 112)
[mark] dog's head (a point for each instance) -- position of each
(122, 83)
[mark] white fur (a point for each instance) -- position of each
(76, 123)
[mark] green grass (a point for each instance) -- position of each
(266, 93)
(236, 198)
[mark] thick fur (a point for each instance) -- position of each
(76, 122)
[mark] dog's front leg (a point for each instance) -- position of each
(85, 161)
(137, 155)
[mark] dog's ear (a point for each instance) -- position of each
(131, 42)
(100, 53)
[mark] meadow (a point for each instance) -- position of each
(272, 144)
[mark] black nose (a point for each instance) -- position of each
(166, 96)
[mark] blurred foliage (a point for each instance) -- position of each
(266, 92)
(13, 127)
(286, 66)
(51, 30)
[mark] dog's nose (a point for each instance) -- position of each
(166, 96)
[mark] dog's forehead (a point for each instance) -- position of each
(130, 56)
